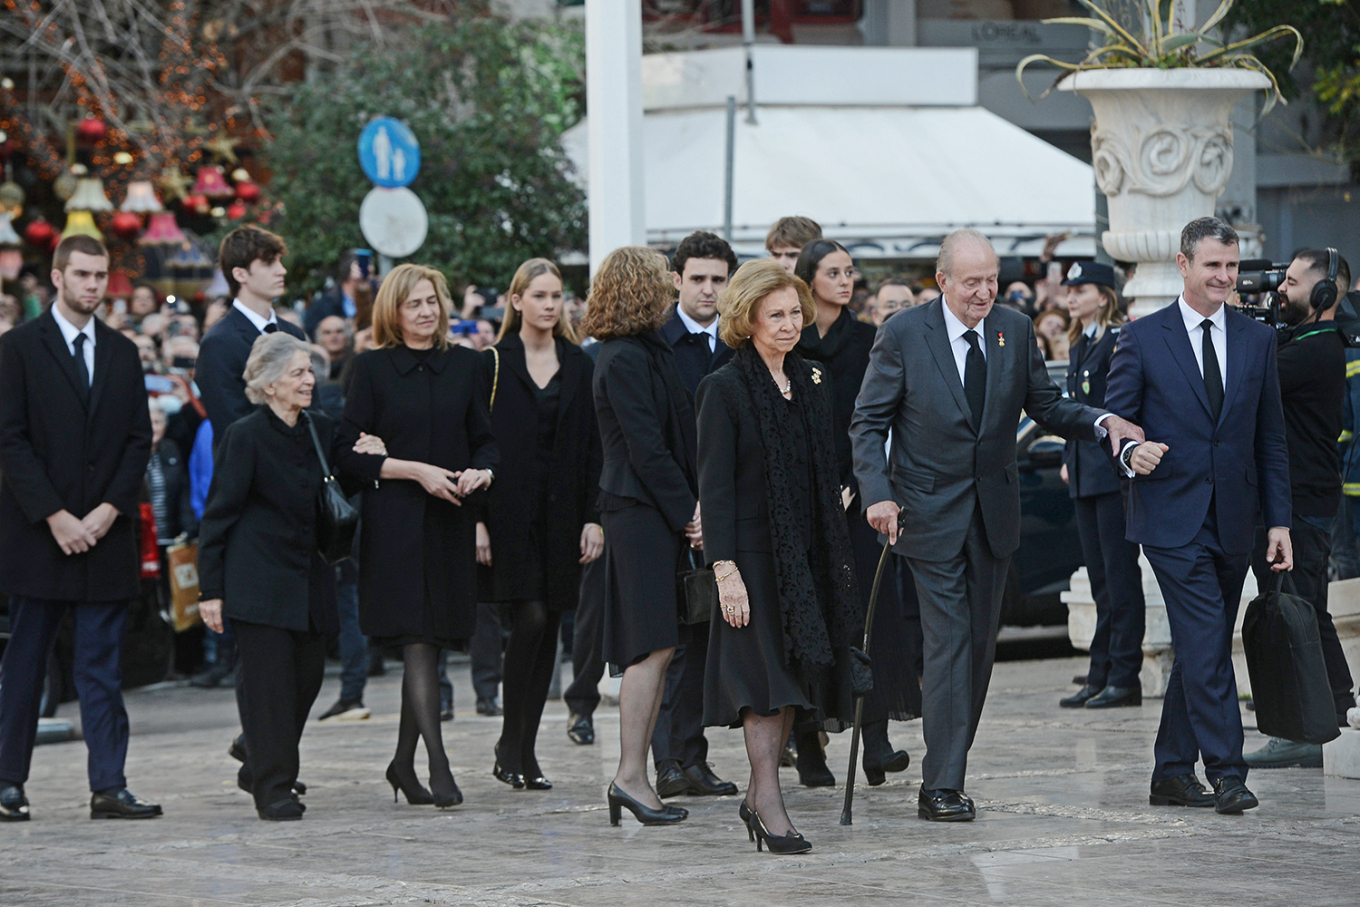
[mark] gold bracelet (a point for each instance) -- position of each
(723, 576)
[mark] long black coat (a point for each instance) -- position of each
(845, 353)
(431, 412)
(573, 481)
(221, 364)
(257, 541)
(57, 452)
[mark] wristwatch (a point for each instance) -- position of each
(1127, 456)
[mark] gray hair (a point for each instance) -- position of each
(1203, 228)
(945, 262)
(269, 359)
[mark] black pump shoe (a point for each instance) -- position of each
(537, 783)
(514, 779)
(618, 801)
(790, 843)
(416, 795)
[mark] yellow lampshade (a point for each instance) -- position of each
(81, 222)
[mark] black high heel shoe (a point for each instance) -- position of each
(745, 812)
(415, 794)
(514, 779)
(618, 800)
(443, 798)
(790, 843)
(533, 775)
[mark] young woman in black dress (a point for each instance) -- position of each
(542, 523)
(426, 400)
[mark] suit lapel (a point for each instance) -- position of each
(1237, 342)
(103, 355)
(1179, 343)
(56, 344)
(937, 339)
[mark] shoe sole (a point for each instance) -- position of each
(1176, 801)
(95, 815)
(961, 817)
(1239, 809)
(1132, 703)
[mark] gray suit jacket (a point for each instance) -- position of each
(942, 463)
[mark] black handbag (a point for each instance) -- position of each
(696, 590)
(1289, 684)
(337, 520)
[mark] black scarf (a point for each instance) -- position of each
(818, 597)
(824, 349)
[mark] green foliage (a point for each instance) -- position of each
(1161, 45)
(488, 99)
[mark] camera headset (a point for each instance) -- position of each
(1325, 293)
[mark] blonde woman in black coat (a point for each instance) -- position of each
(542, 521)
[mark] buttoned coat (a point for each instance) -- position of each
(1090, 471)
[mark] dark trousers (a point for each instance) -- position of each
(960, 600)
(279, 674)
(587, 642)
(98, 642)
(679, 732)
(1308, 580)
(486, 649)
(1202, 586)
(1117, 586)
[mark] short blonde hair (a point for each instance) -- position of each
(630, 294)
(396, 286)
(269, 359)
(747, 289)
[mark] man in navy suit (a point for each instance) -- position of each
(1202, 381)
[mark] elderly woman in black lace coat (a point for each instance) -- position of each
(776, 537)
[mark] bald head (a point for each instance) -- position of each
(967, 272)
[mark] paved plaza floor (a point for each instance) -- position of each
(1062, 796)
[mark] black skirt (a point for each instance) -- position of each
(641, 553)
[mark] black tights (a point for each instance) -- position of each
(420, 716)
(530, 657)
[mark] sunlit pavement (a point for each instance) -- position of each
(1062, 796)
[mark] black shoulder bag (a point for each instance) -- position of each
(336, 518)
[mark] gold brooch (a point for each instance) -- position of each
(1000, 339)
(816, 376)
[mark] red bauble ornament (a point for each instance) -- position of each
(54, 242)
(39, 233)
(197, 203)
(126, 224)
(248, 192)
(236, 211)
(91, 130)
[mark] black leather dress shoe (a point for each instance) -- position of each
(1080, 697)
(237, 750)
(945, 806)
(121, 805)
(283, 811)
(1114, 697)
(670, 780)
(580, 729)
(1182, 790)
(489, 706)
(703, 783)
(1231, 796)
(13, 803)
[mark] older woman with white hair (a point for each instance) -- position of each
(258, 565)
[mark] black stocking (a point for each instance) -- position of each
(529, 662)
(420, 716)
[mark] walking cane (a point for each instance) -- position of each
(846, 816)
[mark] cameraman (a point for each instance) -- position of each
(1312, 367)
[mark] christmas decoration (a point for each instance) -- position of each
(91, 130)
(173, 183)
(120, 286)
(248, 192)
(64, 186)
(126, 224)
(89, 196)
(81, 221)
(196, 203)
(39, 233)
(11, 198)
(141, 198)
(7, 235)
(162, 231)
(212, 183)
(236, 211)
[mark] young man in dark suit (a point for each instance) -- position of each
(251, 259)
(75, 437)
(1203, 382)
(703, 262)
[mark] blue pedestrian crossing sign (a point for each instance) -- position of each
(389, 153)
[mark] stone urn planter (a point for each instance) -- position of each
(1162, 147)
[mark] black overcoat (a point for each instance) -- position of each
(573, 483)
(57, 452)
(257, 540)
(845, 353)
(431, 411)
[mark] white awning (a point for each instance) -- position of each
(889, 181)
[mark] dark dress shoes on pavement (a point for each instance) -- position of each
(283, 811)
(489, 706)
(945, 806)
(1182, 790)
(121, 804)
(13, 803)
(214, 676)
(580, 729)
(1114, 697)
(703, 783)
(1231, 796)
(670, 779)
(1080, 697)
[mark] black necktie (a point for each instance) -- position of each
(81, 368)
(975, 377)
(270, 328)
(1213, 378)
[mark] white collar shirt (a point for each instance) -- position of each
(69, 332)
(957, 342)
(1194, 322)
(695, 327)
(254, 317)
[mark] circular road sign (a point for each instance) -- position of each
(389, 153)
(393, 221)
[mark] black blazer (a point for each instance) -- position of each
(692, 357)
(573, 482)
(1089, 470)
(221, 363)
(257, 541)
(432, 412)
(646, 429)
(57, 452)
(845, 353)
(179, 506)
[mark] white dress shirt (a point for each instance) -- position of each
(254, 317)
(695, 327)
(69, 332)
(1194, 322)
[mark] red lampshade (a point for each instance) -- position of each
(11, 263)
(162, 230)
(120, 287)
(212, 182)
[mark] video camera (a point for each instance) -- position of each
(1261, 278)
